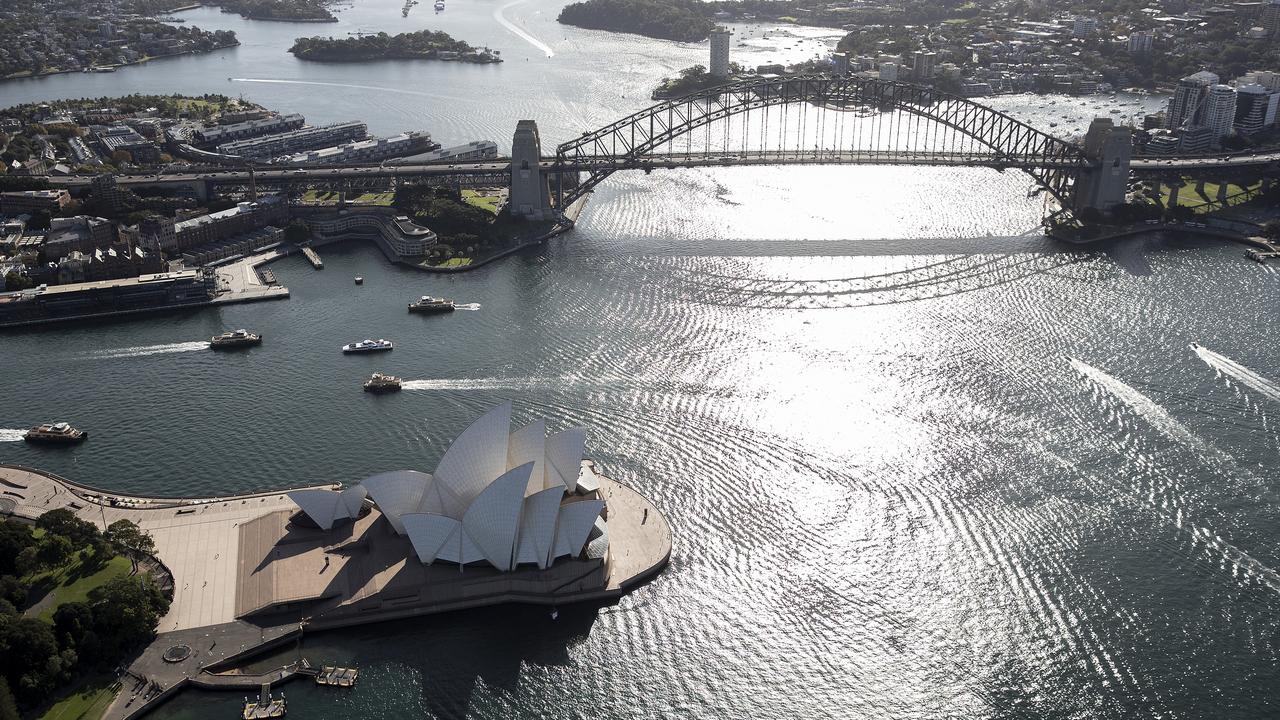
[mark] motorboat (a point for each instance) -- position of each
(367, 346)
(235, 339)
(359, 280)
(380, 383)
(428, 304)
(55, 434)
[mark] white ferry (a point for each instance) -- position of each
(367, 346)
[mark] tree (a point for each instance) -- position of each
(1271, 229)
(126, 610)
(8, 708)
(73, 627)
(65, 523)
(296, 231)
(12, 590)
(53, 550)
(126, 535)
(28, 561)
(27, 646)
(14, 535)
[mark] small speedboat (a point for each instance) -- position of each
(55, 434)
(380, 383)
(367, 346)
(359, 280)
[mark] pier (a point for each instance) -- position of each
(314, 258)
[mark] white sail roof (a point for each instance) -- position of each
(494, 517)
(398, 492)
(478, 455)
(573, 527)
(537, 534)
(528, 444)
(496, 495)
(326, 507)
(564, 457)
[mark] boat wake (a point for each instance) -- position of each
(350, 86)
(1238, 372)
(467, 306)
(482, 383)
(145, 350)
(1159, 418)
(518, 31)
(11, 435)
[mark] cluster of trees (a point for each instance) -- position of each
(683, 20)
(37, 656)
(313, 10)
(691, 79)
(456, 222)
(424, 44)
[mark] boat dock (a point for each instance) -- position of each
(315, 260)
(337, 676)
(266, 706)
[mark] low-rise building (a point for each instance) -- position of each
(26, 201)
(221, 134)
(271, 146)
(398, 236)
(81, 232)
(220, 226)
(366, 151)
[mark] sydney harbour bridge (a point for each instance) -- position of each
(770, 121)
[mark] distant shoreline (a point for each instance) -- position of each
(139, 61)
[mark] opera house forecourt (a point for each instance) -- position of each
(505, 517)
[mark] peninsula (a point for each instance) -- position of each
(421, 45)
(505, 518)
(683, 20)
(281, 10)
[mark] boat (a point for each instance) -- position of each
(55, 434)
(367, 346)
(359, 280)
(380, 383)
(235, 339)
(439, 5)
(428, 304)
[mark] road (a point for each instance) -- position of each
(500, 166)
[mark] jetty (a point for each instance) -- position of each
(313, 257)
(266, 706)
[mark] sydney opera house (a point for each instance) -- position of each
(505, 517)
(498, 497)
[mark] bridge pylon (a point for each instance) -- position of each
(530, 198)
(1105, 183)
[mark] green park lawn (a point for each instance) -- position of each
(72, 581)
(489, 203)
(86, 701)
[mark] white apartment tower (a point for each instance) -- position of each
(720, 51)
(1219, 112)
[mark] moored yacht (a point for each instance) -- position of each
(367, 346)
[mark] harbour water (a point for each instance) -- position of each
(918, 463)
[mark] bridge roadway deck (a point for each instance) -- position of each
(499, 167)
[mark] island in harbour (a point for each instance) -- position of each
(424, 45)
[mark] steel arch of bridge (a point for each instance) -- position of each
(1053, 163)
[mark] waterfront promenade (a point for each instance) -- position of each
(245, 580)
